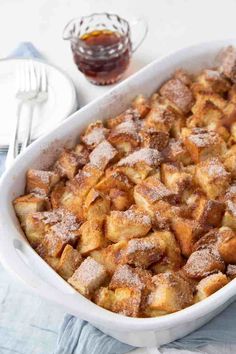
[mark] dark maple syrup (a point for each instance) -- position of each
(102, 55)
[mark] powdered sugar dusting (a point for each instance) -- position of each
(148, 156)
(102, 154)
(125, 276)
(90, 271)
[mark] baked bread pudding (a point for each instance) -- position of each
(140, 216)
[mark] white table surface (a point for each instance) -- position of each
(172, 24)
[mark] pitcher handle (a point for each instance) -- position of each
(142, 26)
(69, 28)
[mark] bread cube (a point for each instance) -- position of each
(129, 114)
(115, 179)
(122, 225)
(150, 191)
(208, 211)
(94, 134)
(213, 80)
(160, 118)
(56, 194)
(230, 161)
(203, 263)
(110, 256)
(210, 285)
(203, 97)
(177, 152)
(69, 262)
(209, 241)
(35, 228)
(212, 177)
(40, 182)
(227, 245)
(231, 271)
(144, 251)
(172, 259)
(125, 301)
(202, 144)
(172, 293)
(183, 76)
(178, 93)
(102, 155)
(229, 218)
(120, 200)
(88, 277)
(29, 203)
(187, 233)
(133, 278)
(92, 237)
(154, 139)
(174, 178)
(141, 104)
(68, 164)
(228, 60)
(138, 165)
(124, 136)
(96, 206)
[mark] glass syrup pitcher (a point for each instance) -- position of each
(101, 45)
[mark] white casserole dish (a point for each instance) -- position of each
(19, 258)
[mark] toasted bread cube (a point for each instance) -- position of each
(210, 285)
(110, 256)
(27, 204)
(227, 245)
(124, 136)
(104, 298)
(129, 114)
(183, 76)
(160, 118)
(172, 293)
(212, 80)
(115, 179)
(173, 178)
(40, 182)
(177, 152)
(228, 61)
(96, 205)
(92, 237)
(53, 262)
(150, 191)
(202, 144)
(212, 177)
(122, 225)
(64, 230)
(229, 218)
(178, 93)
(154, 139)
(144, 251)
(78, 188)
(88, 277)
(203, 97)
(203, 263)
(139, 164)
(127, 276)
(35, 228)
(68, 164)
(208, 212)
(231, 271)
(208, 241)
(172, 259)
(141, 104)
(120, 200)
(69, 262)
(56, 194)
(102, 155)
(127, 301)
(232, 93)
(187, 233)
(230, 161)
(94, 134)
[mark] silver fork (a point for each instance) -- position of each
(31, 89)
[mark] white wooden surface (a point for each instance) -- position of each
(172, 24)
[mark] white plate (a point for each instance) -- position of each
(60, 104)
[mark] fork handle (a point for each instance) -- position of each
(14, 142)
(29, 111)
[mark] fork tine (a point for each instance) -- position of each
(44, 81)
(33, 78)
